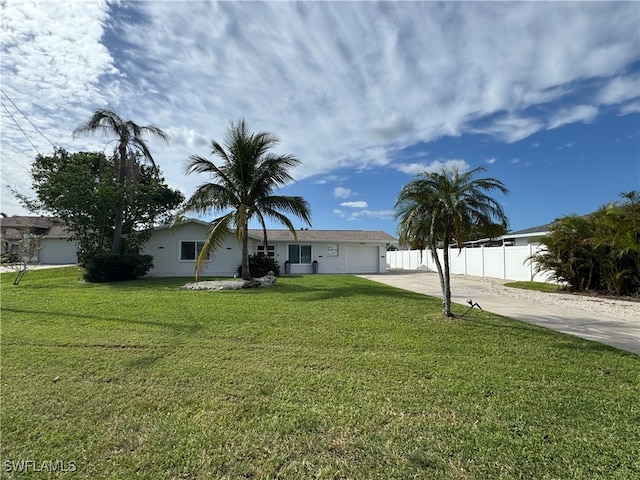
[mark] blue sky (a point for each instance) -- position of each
(545, 95)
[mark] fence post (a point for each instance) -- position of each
(504, 261)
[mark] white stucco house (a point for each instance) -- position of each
(522, 238)
(337, 251)
(175, 251)
(47, 238)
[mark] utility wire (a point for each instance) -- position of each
(27, 118)
(18, 125)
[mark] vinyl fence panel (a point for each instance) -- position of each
(505, 262)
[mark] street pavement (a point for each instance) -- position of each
(615, 330)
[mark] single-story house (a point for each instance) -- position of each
(47, 239)
(526, 236)
(520, 238)
(336, 251)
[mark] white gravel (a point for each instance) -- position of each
(214, 285)
(624, 309)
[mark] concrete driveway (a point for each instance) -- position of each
(614, 323)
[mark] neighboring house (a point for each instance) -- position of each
(50, 240)
(522, 238)
(336, 251)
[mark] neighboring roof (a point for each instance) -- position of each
(164, 226)
(15, 226)
(324, 235)
(538, 231)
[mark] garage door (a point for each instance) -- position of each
(362, 260)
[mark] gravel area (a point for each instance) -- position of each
(214, 285)
(624, 309)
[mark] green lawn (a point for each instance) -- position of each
(319, 377)
(537, 286)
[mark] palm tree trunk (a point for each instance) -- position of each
(436, 258)
(446, 292)
(246, 273)
(119, 213)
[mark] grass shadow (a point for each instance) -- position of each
(176, 327)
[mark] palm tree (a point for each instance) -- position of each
(130, 147)
(243, 188)
(441, 207)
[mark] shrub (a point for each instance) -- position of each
(10, 257)
(114, 267)
(260, 265)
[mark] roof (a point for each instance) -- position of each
(324, 235)
(541, 229)
(15, 226)
(307, 235)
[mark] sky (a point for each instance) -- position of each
(544, 95)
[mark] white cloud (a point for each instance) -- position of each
(360, 214)
(491, 161)
(619, 90)
(511, 128)
(188, 138)
(53, 65)
(341, 192)
(580, 113)
(435, 166)
(343, 84)
(354, 204)
(633, 107)
(391, 127)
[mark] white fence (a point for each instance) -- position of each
(507, 263)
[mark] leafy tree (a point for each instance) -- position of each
(243, 187)
(568, 256)
(599, 251)
(130, 148)
(82, 190)
(442, 207)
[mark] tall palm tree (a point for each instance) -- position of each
(243, 187)
(130, 147)
(441, 207)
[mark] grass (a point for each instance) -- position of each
(537, 286)
(318, 377)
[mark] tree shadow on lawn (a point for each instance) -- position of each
(304, 293)
(184, 328)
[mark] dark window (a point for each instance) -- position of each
(190, 250)
(271, 251)
(299, 253)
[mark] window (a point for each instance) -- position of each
(271, 251)
(299, 253)
(189, 251)
(332, 250)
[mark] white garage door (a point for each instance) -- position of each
(58, 251)
(362, 260)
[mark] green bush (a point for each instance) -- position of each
(599, 251)
(260, 265)
(114, 267)
(10, 257)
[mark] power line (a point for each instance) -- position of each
(27, 118)
(18, 125)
